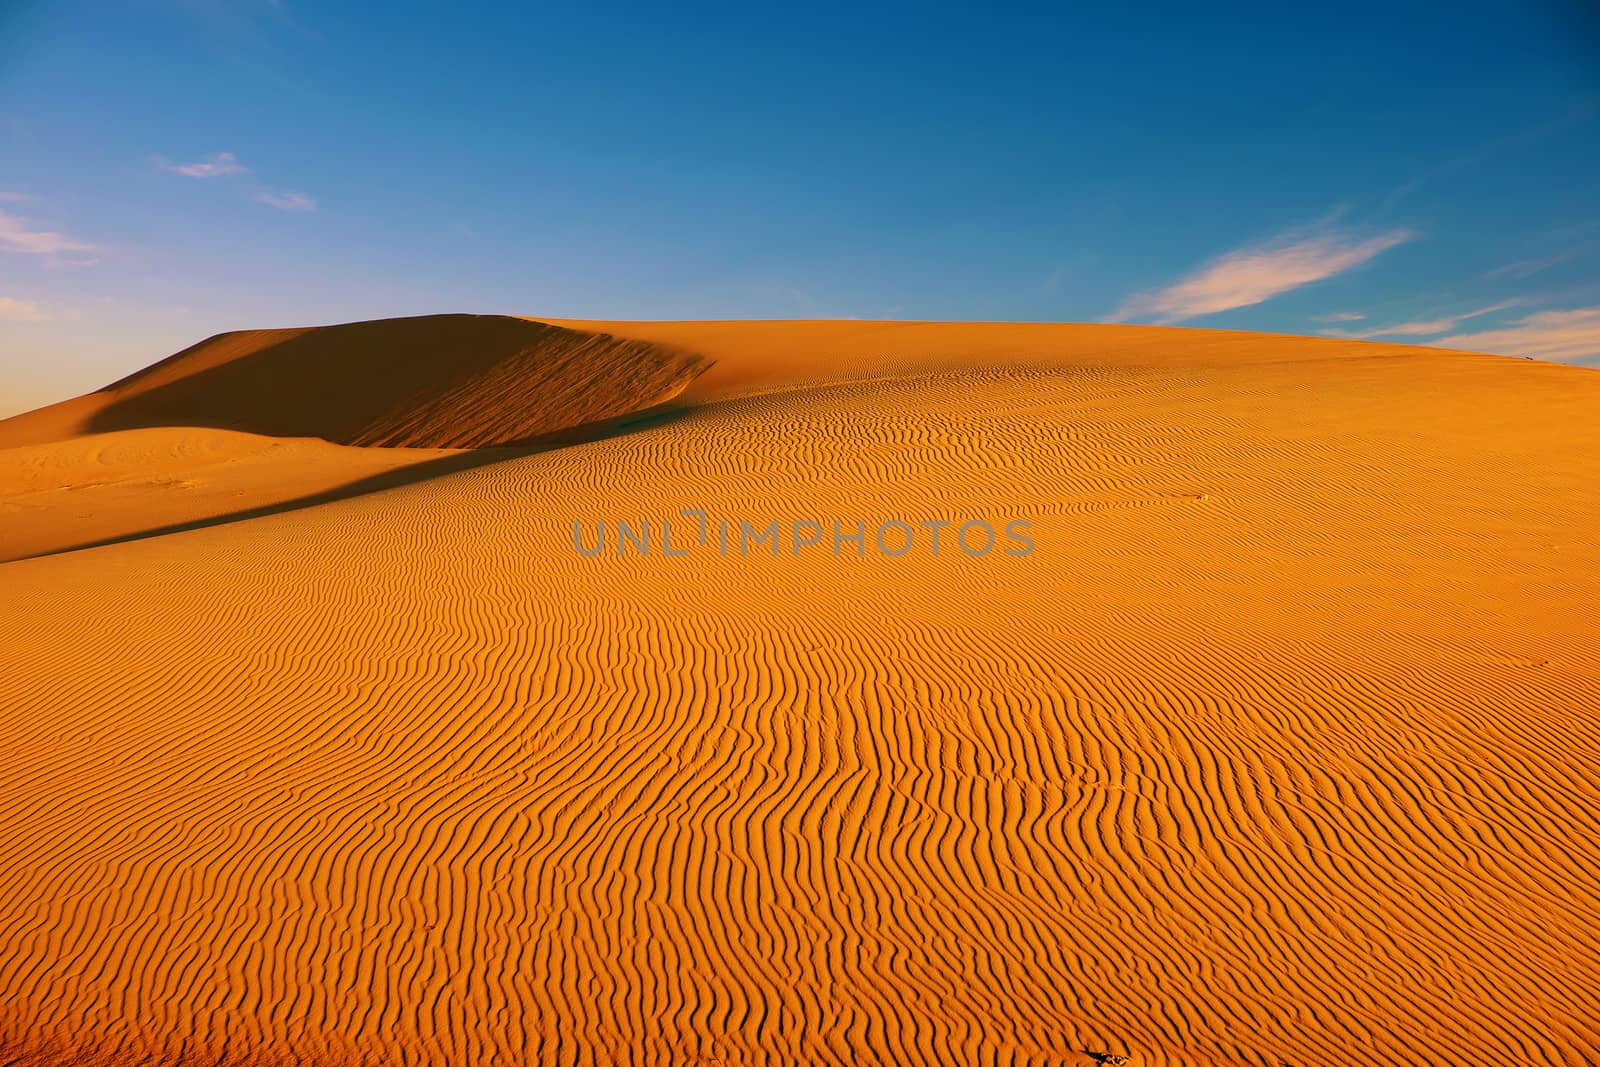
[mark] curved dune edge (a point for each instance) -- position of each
(756, 356)
(99, 488)
(1281, 749)
(435, 381)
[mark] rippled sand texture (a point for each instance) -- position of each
(1281, 748)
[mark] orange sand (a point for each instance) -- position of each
(1281, 747)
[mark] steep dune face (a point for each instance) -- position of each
(439, 381)
(1281, 746)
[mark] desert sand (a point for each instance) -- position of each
(321, 744)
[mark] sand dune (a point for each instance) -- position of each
(438, 381)
(751, 357)
(1279, 748)
(113, 486)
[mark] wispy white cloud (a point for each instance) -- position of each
(1258, 272)
(1339, 316)
(219, 165)
(1424, 327)
(9, 196)
(1526, 267)
(18, 235)
(14, 310)
(1569, 336)
(254, 33)
(226, 163)
(1503, 143)
(287, 201)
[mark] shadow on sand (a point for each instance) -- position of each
(422, 471)
(434, 381)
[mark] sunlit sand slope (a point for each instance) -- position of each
(1280, 747)
(751, 357)
(438, 381)
(103, 487)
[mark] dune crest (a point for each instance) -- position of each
(435, 381)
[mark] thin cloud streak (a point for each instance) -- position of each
(1565, 336)
(287, 201)
(1423, 328)
(1339, 316)
(1259, 272)
(219, 165)
(1503, 143)
(14, 310)
(1525, 268)
(17, 236)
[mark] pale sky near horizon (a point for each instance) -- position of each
(169, 169)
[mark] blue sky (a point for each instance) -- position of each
(173, 168)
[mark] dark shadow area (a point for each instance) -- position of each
(435, 381)
(425, 470)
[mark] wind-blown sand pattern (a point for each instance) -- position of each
(1281, 747)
